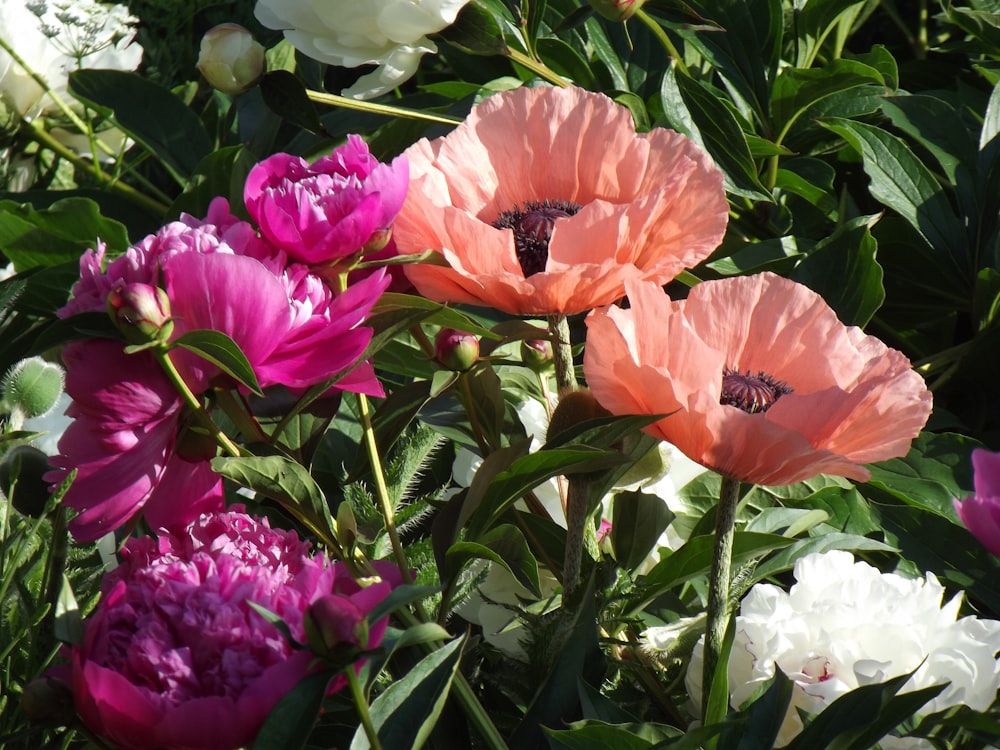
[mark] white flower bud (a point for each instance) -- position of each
(230, 58)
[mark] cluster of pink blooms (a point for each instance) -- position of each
(175, 656)
(265, 290)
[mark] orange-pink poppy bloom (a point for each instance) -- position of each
(760, 379)
(546, 200)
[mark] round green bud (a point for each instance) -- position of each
(33, 386)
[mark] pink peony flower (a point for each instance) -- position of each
(122, 441)
(293, 329)
(174, 656)
(327, 210)
(981, 512)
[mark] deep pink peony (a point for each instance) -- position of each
(122, 442)
(981, 512)
(218, 274)
(175, 657)
(327, 210)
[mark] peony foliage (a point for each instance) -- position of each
(484, 374)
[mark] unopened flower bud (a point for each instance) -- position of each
(338, 622)
(379, 239)
(617, 10)
(456, 350)
(230, 58)
(47, 699)
(21, 480)
(32, 387)
(141, 312)
(537, 354)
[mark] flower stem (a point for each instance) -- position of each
(343, 102)
(535, 66)
(661, 36)
(381, 490)
(576, 522)
(719, 580)
(195, 405)
(361, 703)
(562, 352)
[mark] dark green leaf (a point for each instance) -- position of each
(284, 481)
(149, 113)
(842, 269)
(405, 714)
(220, 350)
(475, 31)
(504, 545)
(58, 234)
(290, 722)
(637, 522)
(286, 96)
(902, 182)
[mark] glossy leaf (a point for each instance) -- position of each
(222, 351)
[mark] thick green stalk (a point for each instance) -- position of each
(719, 580)
(661, 35)
(361, 703)
(562, 352)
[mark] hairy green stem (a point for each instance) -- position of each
(719, 580)
(576, 522)
(562, 351)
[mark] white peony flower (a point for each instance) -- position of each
(55, 38)
(843, 624)
(387, 33)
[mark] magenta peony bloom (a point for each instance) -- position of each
(981, 512)
(217, 274)
(174, 656)
(330, 209)
(122, 442)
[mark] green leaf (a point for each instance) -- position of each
(285, 95)
(68, 622)
(290, 722)
(504, 545)
(222, 351)
(764, 718)
(638, 520)
(151, 114)
(592, 735)
(58, 234)
(798, 89)
(566, 61)
(865, 714)
(902, 182)
(695, 111)
(405, 714)
(475, 31)
(815, 21)
(842, 269)
(785, 559)
(284, 481)
(936, 471)
(695, 557)
(223, 172)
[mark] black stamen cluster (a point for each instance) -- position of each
(532, 227)
(753, 393)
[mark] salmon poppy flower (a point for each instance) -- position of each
(760, 379)
(544, 201)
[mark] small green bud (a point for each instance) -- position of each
(456, 350)
(378, 241)
(537, 355)
(141, 312)
(32, 387)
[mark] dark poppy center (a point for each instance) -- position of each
(532, 227)
(753, 393)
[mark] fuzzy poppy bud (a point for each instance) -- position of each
(456, 350)
(47, 699)
(32, 387)
(617, 10)
(537, 354)
(574, 407)
(141, 312)
(230, 58)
